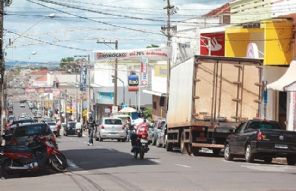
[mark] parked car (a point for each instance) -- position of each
(72, 128)
(20, 134)
(53, 127)
(162, 136)
(111, 128)
(261, 139)
(157, 128)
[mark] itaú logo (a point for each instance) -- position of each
(215, 46)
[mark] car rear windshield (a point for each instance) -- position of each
(265, 125)
(51, 123)
(113, 122)
(31, 130)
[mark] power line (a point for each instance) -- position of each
(101, 22)
(46, 42)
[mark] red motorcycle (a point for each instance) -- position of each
(38, 154)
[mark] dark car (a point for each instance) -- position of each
(261, 139)
(70, 128)
(20, 133)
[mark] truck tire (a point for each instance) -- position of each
(227, 155)
(291, 160)
(184, 147)
(249, 156)
(195, 151)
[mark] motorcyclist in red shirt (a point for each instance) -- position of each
(140, 131)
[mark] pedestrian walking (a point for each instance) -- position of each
(91, 127)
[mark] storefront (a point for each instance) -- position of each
(270, 40)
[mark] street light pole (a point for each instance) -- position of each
(2, 68)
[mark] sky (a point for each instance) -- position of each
(49, 30)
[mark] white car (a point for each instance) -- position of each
(53, 127)
(111, 128)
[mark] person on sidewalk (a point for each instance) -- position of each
(91, 127)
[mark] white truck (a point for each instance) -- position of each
(208, 97)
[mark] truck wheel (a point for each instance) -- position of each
(227, 155)
(184, 147)
(195, 151)
(249, 156)
(291, 160)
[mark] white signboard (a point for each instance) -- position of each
(114, 109)
(151, 53)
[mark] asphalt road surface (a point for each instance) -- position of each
(110, 166)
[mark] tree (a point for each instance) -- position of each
(148, 113)
(67, 63)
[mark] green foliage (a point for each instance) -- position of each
(67, 63)
(148, 113)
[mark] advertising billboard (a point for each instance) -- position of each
(214, 42)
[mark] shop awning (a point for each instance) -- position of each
(287, 81)
(154, 93)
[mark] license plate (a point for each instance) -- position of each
(144, 141)
(280, 146)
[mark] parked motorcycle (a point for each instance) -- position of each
(38, 154)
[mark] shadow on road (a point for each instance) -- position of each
(91, 159)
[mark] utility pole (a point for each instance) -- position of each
(2, 67)
(167, 31)
(115, 68)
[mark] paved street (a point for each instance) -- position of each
(110, 166)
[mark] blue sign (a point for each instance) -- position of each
(105, 97)
(133, 80)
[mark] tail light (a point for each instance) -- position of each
(102, 127)
(260, 136)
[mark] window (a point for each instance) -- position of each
(113, 122)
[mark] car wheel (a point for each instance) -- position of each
(291, 160)
(227, 155)
(249, 156)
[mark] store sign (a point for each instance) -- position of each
(105, 97)
(214, 42)
(182, 51)
(144, 74)
(151, 53)
(133, 82)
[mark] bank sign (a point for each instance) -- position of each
(151, 53)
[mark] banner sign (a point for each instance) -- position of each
(83, 78)
(144, 75)
(182, 51)
(151, 53)
(216, 41)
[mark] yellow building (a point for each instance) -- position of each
(273, 38)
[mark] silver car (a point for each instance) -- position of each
(111, 128)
